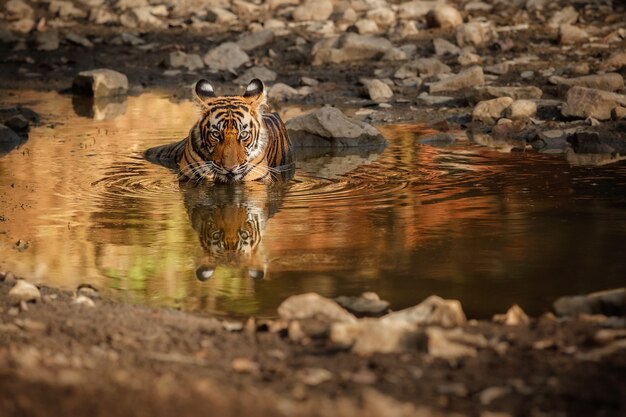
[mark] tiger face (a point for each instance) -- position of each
(229, 140)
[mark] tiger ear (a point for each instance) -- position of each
(204, 273)
(255, 93)
(204, 90)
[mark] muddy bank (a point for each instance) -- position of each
(62, 355)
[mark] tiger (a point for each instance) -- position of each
(234, 140)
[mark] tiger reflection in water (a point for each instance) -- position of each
(230, 220)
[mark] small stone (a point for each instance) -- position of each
(454, 344)
(616, 61)
(79, 40)
(475, 33)
(378, 91)
(432, 311)
(307, 81)
(8, 139)
(313, 10)
(226, 57)
(147, 16)
(608, 82)
(232, 326)
(366, 304)
(255, 40)
(428, 67)
(281, 91)
(444, 16)
(367, 27)
(48, 40)
(490, 111)
(23, 25)
(521, 109)
(262, 73)
(313, 306)
(489, 395)
(245, 366)
(382, 16)
(314, 376)
(87, 290)
(83, 300)
(482, 93)
(610, 303)
(514, 316)
(571, 35)
(588, 102)
(443, 47)
(468, 58)
(498, 69)
(24, 291)
(66, 9)
(178, 59)
(415, 9)
(466, 78)
(100, 83)
(18, 9)
(349, 47)
(567, 15)
(31, 325)
(368, 336)
(102, 16)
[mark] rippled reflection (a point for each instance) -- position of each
(488, 227)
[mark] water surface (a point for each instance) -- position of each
(486, 227)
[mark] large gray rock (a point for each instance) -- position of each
(610, 302)
(588, 102)
(254, 40)
(432, 311)
(328, 126)
(179, 59)
(313, 306)
(349, 47)
(470, 77)
(490, 111)
(100, 82)
(611, 81)
(227, 57)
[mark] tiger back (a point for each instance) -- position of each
(234, 140)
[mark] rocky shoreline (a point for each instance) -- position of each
(73, 352)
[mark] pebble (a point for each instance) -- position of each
(245, 366)
(475, 33)
(453, 344)
(444, 16)
(489, 111)
(378, 91)
(349, 47)
(469, 58)
(18, 9)
(368, 336)
(514, 316)
(24, 291)
(79, 40)
(314, 376)
(384, 17)
(83, 300)
(281, 92)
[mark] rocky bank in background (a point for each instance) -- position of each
(546, 75)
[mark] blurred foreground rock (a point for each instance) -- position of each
(610, 303)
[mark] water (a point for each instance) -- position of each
(485, 227)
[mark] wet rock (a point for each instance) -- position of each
(313, 306)
(349, 47)
(368, 336)
(444, 16)
(48, 40)
(443, 47)
(251, 41)
(313, 10)
(281, 91)
(482, 93)
(466, 78)
(328, 126)
(100, 82)
(18, 9)
(66, 10)
(8, 139)
(79, 40)
(608, 82)
(475, 34)
(490, 111)
(521, 109)
(610, 303)
(367, 304)
(432, 311)
(599, 141)
(82, 300)
(514, 316)
(17, 123)
(588, 102)
(23, 291)
(244, 366)
(99, 108)
(378, 91)
(438, 139)
(226, 57)
(499, 143)
(571, 35)
(430, 66)
(615, 61)
(551, 141)
(179, 59)
(453, 344)
(262, 73)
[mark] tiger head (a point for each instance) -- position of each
(229, 140)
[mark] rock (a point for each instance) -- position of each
(588, 102)
(328, 126)
(226, 57)
(444, 16)
(178, 59)
(23, 291)
(147, 16)
(100, 82)
(66, 9)
(395, 54)
(438, 139)
(475, 34)
(313, 306)
(126, 38)
(18, 9)
(608, 82)
(616, 61)
(102, 16)
(384, 17)
(23, 25)
(498, 69)
(368, 336)
(281, 91)
(571, 35)
(17, 123)
(468, 58)
(130, 4)
(251, 41)
(367, 27)
(416, 9)
(8, 139)
(490, 111)
(83, 300)
(432, 311)
(521, 109)
(453, 344)
(551, 141)
(314, 376)
(99, 108)
(466, 78)
(482, 93)
(349, 47)
(489, 395)
(428, 67)
(434, 100)
(244, 366)
(313, 10)
(609, 303)
(262, 73)
(368, 304)
(566, 16)
(48, 40)
(87, 290)
(514, 316)
(378, 91)
(220, 16)
(618, 113)
(443, 47)
(79, 40)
